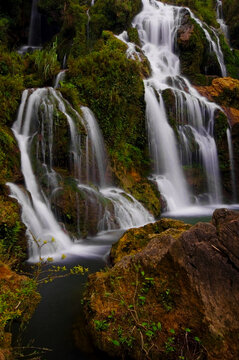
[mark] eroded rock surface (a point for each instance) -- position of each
(178, 296)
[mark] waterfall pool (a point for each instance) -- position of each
(60, 309)
(53, 324)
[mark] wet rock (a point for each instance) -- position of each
(134, 240)
(178, 296)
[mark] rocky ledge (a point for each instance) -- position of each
(173, 297)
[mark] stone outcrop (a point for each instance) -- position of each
(178, 296)
(225, 92)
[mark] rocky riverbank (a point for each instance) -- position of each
(172, 293)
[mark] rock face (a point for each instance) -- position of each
(176, 298)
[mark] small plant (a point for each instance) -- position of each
(101, 325)
(170, 343)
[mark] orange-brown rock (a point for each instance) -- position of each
(176, 298)
(225, 92)
(219, 85)
(232, 114)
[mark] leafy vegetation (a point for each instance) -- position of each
(205, 10)
(133, 323)
(111, 86)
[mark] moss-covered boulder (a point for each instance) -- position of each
(194, 51)
(134, 240)
(175, 298)
(223, 91)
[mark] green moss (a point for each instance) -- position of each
(133, 36)
(134, 240)
(231, 58)
(205, 10)
(110, 84)
(113, 15)
(220, 128)
(231, 15)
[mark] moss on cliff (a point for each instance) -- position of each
(205, 10)
(110, 84)
(134, 240)
(231, 14)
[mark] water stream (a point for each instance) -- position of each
(41, 115)
(192, 142)
(220, 19)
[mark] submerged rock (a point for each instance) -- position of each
(175, 297)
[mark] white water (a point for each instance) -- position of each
(96, 142)
(215, 46)
(35, 125)
(60, 77)
(34, 37)
(36, 213)
(157, 26)
(128, 211)
(220, 19)
(131, 52)
(34, 33)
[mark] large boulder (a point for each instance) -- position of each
(177, 298)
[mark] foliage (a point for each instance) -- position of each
(13, 302)
(231, 58)
(135, 325)
(113, 15)
(46, 64)
(111, 86)
(231, 15)
(205, 10)
(196, 57)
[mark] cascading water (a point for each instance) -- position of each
(220, 19)
(128, 212)
(60, 77)
(34, 35)
(34, 38)
(37, 215)
(215, 46)
(96, 142)
(157, 25)
(39, 120)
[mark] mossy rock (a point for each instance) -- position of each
(134, 240)
(231, 15)
(120, 111)
(155, 298)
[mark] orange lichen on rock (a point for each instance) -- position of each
(219, 85)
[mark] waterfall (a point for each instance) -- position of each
(97, 145)
(232, 166)
(60, 77)
(41, 115)
(220, 19)
(34, 37)
(43, 229)
(215, 46)
(157, 25)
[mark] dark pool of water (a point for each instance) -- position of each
(53, 323)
